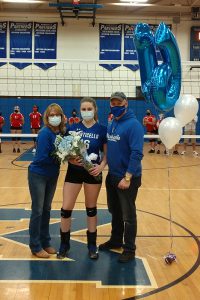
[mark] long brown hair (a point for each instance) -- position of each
(59, 111)
(91, 100)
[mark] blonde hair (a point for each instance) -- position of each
(59, 111)
(93, 102)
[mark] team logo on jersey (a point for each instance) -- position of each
(113, 138)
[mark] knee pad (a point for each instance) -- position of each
(13, 139)
(91, 212)
(34, 139)
(65, 213)
(18, 138)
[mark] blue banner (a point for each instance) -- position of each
(3, 38)
(45, 43)
(21, 42)
(195, 43)
(110, 39)
(130, 52)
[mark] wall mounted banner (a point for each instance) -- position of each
(130, 52)
(21, 42)
(45, 35)
(3, 38)
(110, 39)
(195, 43)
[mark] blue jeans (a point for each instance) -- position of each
(121, 205)
(42, 189)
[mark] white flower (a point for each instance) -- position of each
(72, 146)
(91, 156)
(77, 138)
(76, 134)
(75, 144)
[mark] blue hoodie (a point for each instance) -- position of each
(44, 163)
(125, 146)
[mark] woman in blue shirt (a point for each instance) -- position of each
(94, 136)
(42, 178)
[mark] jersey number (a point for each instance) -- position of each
(87, 144)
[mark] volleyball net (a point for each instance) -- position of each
(79, 78)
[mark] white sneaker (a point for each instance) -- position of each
(34, 150)
(183, 152)
(195, 153)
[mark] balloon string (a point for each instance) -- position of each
(169, 204)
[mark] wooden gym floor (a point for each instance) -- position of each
(170, 185)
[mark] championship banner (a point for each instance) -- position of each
(195, 43)
(45, 43)
(129, 47)
(110, 39)
(21, 42)
(130, 52)
(3, 38)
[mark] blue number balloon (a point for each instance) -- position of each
(160, 83)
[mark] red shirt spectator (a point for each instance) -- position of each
(35, 119)
(149, 121)
(74, 119)
(2, 122)
(16, 119)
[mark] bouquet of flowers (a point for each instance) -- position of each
(72, 146)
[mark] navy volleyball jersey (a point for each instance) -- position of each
(94, 138)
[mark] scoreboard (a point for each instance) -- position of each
(195, 43)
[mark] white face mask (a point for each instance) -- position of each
(54, 120)
(87, 115)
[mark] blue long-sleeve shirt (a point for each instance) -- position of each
(125, 146)
(44, 163)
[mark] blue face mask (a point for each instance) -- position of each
(117, 110)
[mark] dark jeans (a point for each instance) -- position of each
(42, 189)
(121, 204)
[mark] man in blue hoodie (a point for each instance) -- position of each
(124, 154)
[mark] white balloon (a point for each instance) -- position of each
(170, 131)
(186, 108)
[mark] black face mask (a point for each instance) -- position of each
(148, 113)
(74, 115)
(16, 110)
